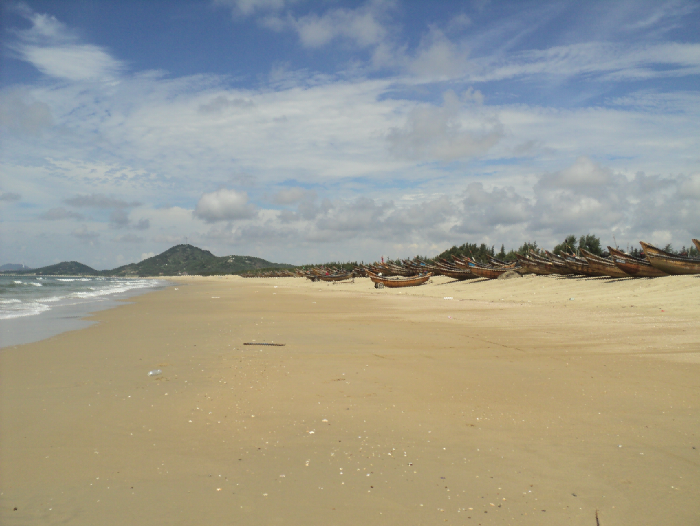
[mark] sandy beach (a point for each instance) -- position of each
(531, 401)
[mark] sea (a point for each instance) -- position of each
(33, 308)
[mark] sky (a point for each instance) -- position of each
(309, 131)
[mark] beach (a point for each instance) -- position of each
(536, 400)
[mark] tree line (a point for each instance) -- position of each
(571, 244)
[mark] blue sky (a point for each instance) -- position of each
(305, 131)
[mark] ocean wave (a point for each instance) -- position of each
(51, 299)
(30, 306)
(115, 289)
(23, 309)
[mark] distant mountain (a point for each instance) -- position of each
(178, 260)
(65, 268)
(13, 266)
(186, 259)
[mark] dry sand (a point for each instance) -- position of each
(510, 403)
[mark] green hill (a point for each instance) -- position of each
(186, 259)
(178, 260)
(65, 268)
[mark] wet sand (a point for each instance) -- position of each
(510, 403)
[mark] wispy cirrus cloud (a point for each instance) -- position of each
(249, 7)
(663, 16)
(57, 51)
(603, 60)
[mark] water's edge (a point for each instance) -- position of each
(60, 319)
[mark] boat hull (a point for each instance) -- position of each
(490, 273)
(607, 269)
(635, 267)
(337, 278)
(669, 263)
(457, 274)
(400, 282)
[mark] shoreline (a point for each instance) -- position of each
(384, 406)
(63, 317)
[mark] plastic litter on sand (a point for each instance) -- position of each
(155, 372)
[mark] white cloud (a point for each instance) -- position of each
(584, 173)
(363, 26)
(459, 22)
(20, 113)
(584, 197)
(445, 133)
(690, 189)
(78, 62)
(606, 61)
(224, 205)
(89, 237)
(437, 57)
(55, 51)
(293, 195)
(128, 238)
(9, 197)
(98, 201)
(665, 15)
(249, 7)
(119, 218)
(222, 103)
(59, 214)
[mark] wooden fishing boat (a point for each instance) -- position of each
(402, 271)
(490, 273)
(360, 271)
(458, 274)
(545, 264)
(453, 272)
(394, 282)
(605, 266)
(580, 266)
(462, 262)
(558, 264)
(534, 266)
(337, 277)
(497, 263)
(483, 271)
(670, 263)
(637, 267)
